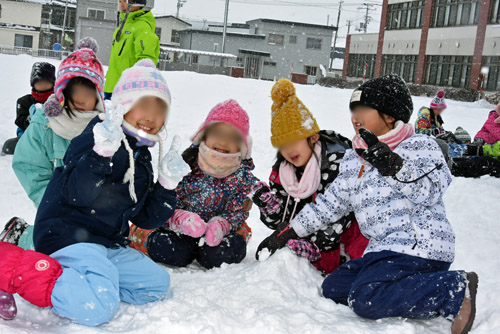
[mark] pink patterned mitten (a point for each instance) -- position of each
(187, 223)
(217, 229)
(304, 248)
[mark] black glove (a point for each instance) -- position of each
(379, 155)
(474, 150)
(478, 141)
(277, 240)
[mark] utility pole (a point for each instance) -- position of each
(368, 18)
(180, 3)
(224, 32)
(64, 25)
(336, 33)
(349, 23)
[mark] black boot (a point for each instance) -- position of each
(475, 167)
(13, 230)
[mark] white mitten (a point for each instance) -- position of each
(173, 167)
(108, 134)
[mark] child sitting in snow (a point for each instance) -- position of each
(394, 182)
(42, 81)
(83, 219)
(210, 199)
(307, 162)
(77, 99)
(429, 120)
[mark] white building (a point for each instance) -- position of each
(20, 23)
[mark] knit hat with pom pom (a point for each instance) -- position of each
(81, 63)
(291, 120)
(438, 102)
(232, 113)
(141, 80)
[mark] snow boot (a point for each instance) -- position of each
(13, 230)
(30, 274)
(9, 146)
(8, 309)
(465, 318)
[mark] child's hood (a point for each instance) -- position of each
(142, 16)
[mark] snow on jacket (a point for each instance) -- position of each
(87, 201)
(407, 218)
(490, 132)
(38, 153)
(428, 124)
(138, 41)
(208, 196)
(333, 148)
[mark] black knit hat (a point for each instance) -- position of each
(42, 71)
(387, 94)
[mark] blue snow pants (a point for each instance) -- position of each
(180, 250)
(95, 279)
(389, 284)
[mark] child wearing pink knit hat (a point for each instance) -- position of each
(210, 215)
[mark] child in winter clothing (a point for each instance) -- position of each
(394, 182)
(42, 86)
(490, 132)
(83, 218)
(429, 120)
(133, 40)
(42, 79)
(210, 199)
(307, 162)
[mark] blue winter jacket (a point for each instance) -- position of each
(87, 201)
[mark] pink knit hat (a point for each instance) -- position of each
(81, 63)
(438, 102)
(232, 113)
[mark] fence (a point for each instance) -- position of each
(14, 50)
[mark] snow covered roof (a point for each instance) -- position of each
(197, 52)
(71, 3)
(19, 27)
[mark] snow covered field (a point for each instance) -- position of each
(280, 295)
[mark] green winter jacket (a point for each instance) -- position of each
(138, 41)
(37, 154)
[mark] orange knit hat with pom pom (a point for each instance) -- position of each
(291, 120)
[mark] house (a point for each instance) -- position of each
(98, 19)
(444, 43)
(265, 48)
(20, 23)
(168, 29)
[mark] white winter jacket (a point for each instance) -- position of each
(407, 218)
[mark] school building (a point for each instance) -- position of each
(452, 43)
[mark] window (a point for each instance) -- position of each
(448, 71)
(449, 13)
(495, 11)
(313, 43)
(404, 66)
(405, 15)
(492, 79)
(270, 63)
(310, 70)
(194, 59)
(359, 63)
(293, 40)
(176, 36)
(158, 32)
(275, 39)
(256, 31)
(23, 41)
(96, 13)
(0, 10)
(239, 61)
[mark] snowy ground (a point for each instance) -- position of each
(280, 295)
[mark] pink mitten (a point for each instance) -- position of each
(187, 223)
(305, 249)
(217, 229)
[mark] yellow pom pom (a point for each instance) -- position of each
(282, 90)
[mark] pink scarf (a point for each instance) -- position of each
(309, 182)
(216, 164)
(393, 138)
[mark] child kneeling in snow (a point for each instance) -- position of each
(83, 219)
(394, 182)
(307, 162)
(210, 199)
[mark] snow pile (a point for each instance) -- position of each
(282, 293)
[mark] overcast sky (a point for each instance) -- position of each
(308, 11)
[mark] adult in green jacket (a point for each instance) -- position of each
(133, 40)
